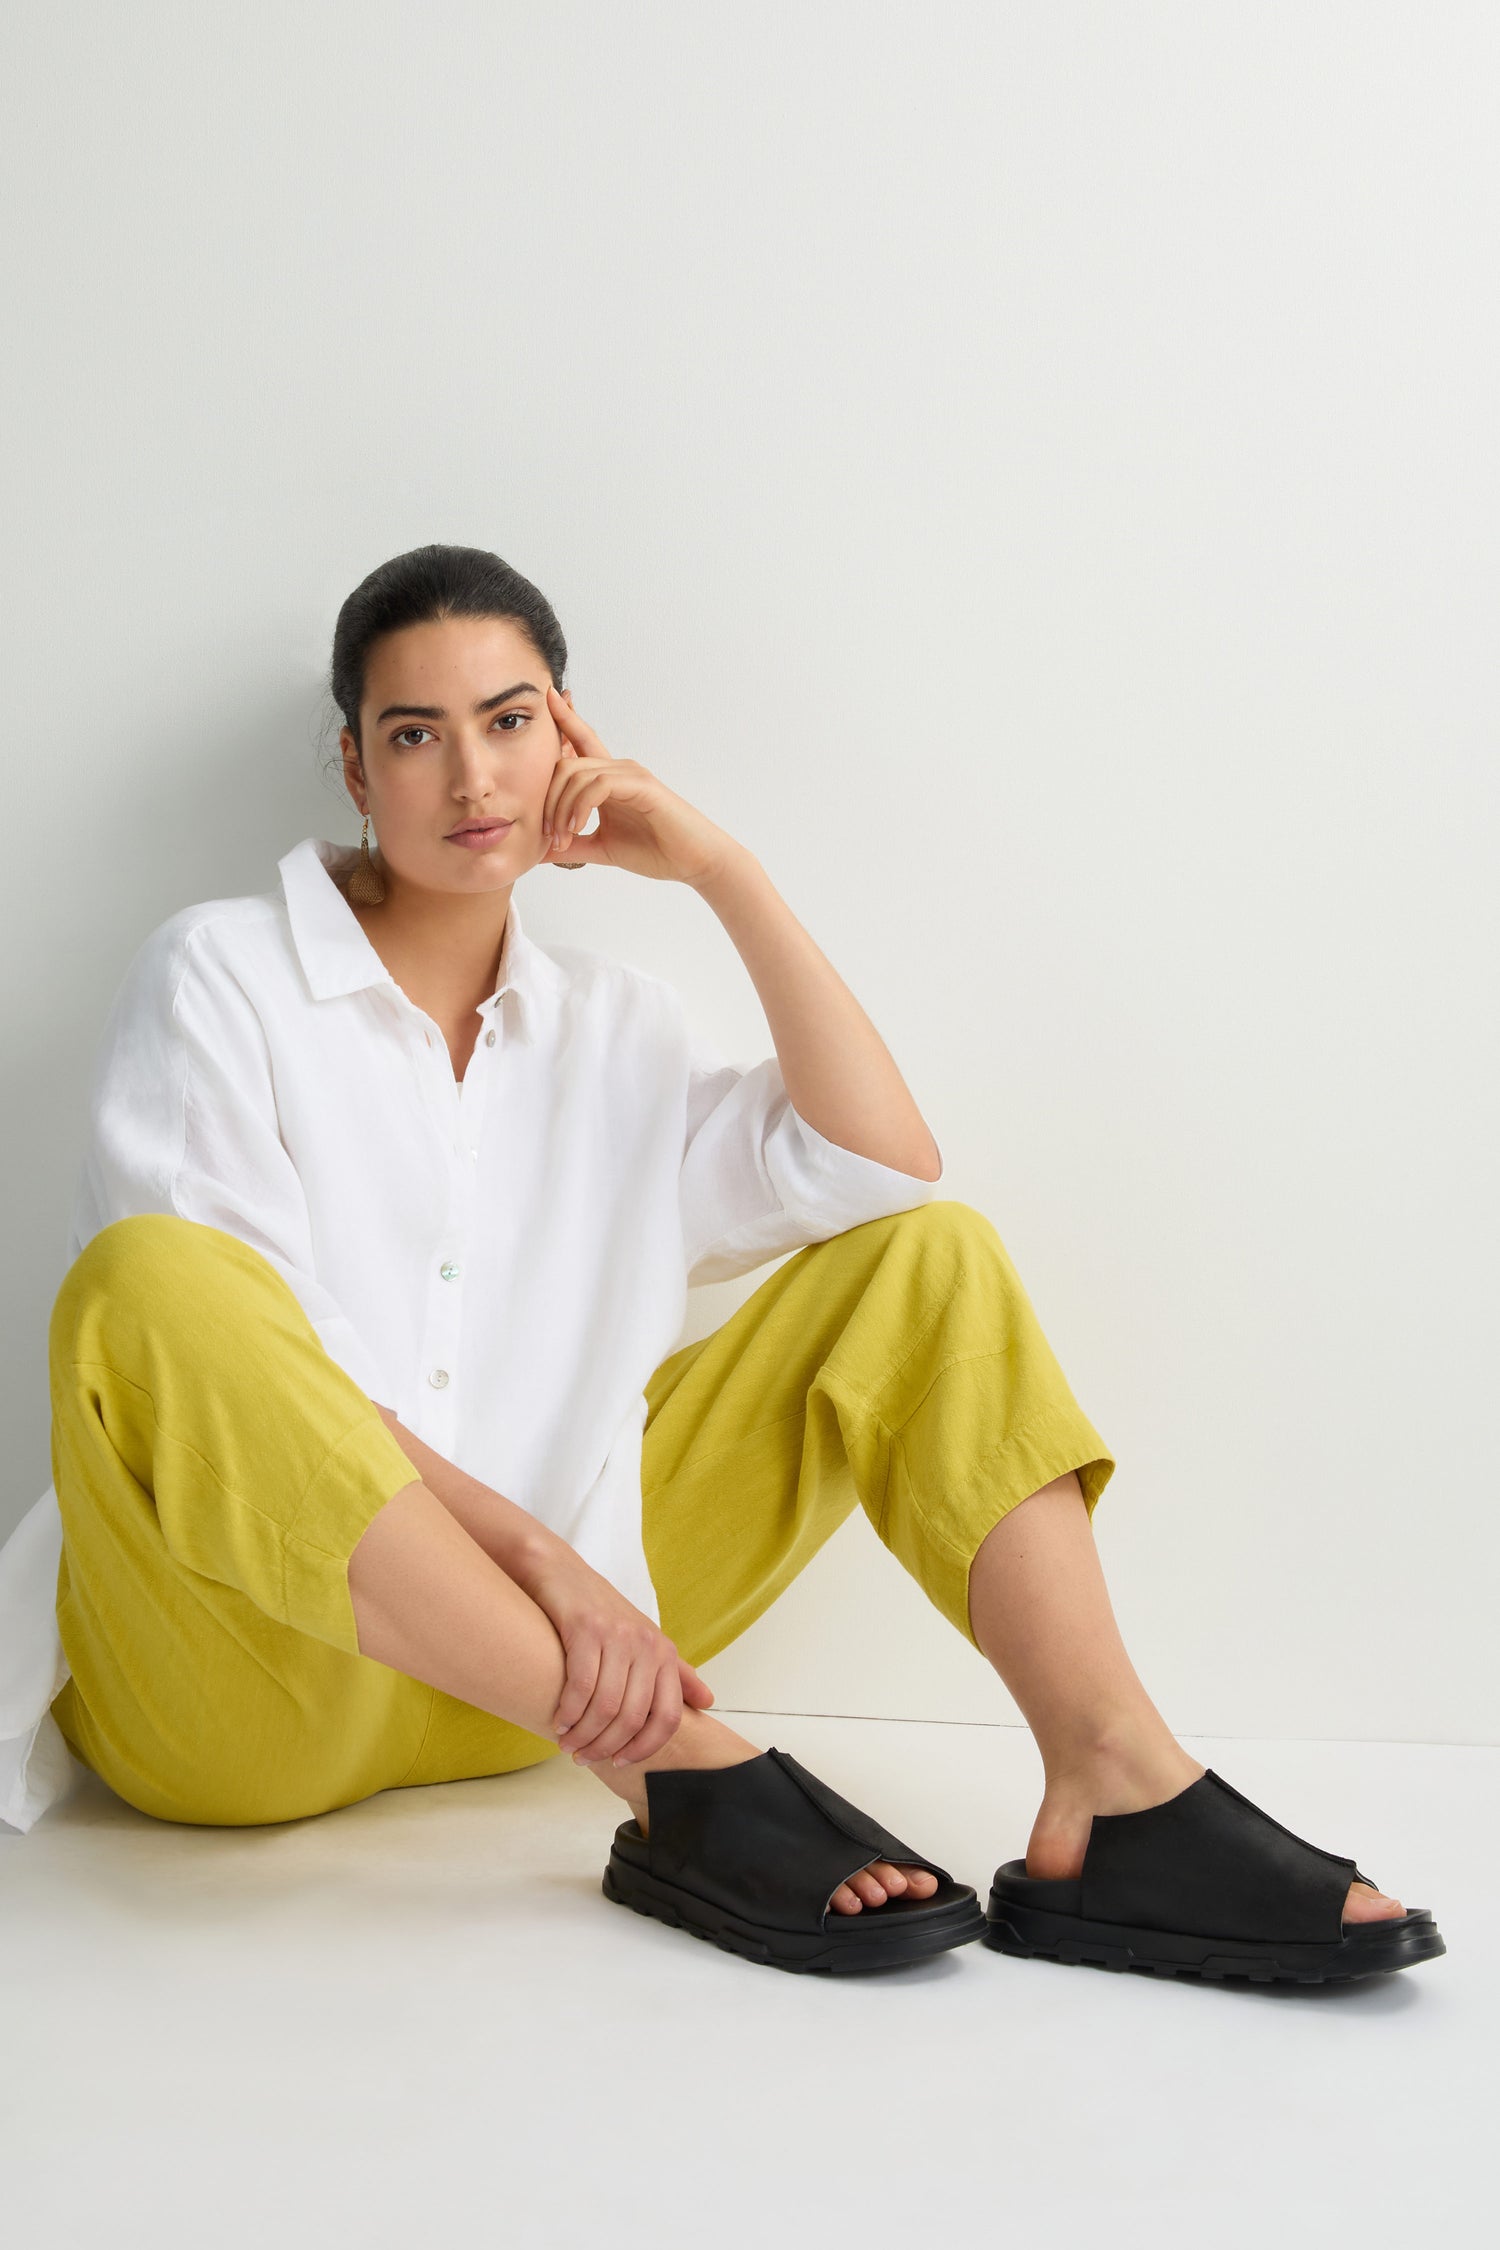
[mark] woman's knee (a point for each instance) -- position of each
(951, 1236)
(947, 1220)
(151, 1263)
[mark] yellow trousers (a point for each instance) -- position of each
(215, 1469)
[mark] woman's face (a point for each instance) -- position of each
(456, 728)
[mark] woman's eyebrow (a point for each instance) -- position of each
(434, 711)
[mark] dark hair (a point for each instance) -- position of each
(428, 583)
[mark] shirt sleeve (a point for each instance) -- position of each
(758, 1180)
(183, 1119)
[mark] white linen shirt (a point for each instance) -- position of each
(502, 1259)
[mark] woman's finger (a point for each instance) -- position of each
(560, 772)
(583, 1672)
(570, 819)
(635, 1705)
(578, 730)
(575, 784)
(564, 716)
(614, 1672)
(664, 1719)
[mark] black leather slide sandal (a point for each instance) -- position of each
(748, 1857)
(1205, 1885)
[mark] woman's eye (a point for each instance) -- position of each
(401, 732)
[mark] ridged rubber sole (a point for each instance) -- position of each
(1367, 1948)
(860, 1947)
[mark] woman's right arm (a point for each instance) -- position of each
(618, 1660)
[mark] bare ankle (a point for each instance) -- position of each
(1123, 1763)
(700, 1741)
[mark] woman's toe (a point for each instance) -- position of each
(1365, 1904)
(881, 1880)
(890, 1879)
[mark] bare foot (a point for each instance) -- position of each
(1128, 1778)
(702, 1740)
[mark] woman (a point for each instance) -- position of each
(373, 1460)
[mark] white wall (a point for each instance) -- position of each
(1031, 472)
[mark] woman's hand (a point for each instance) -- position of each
(644, 826)
(626, 1684)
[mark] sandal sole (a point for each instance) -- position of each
(1368, 1949)
(807, 1953)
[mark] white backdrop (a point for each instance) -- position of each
(1028, 470)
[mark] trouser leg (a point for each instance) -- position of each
(899, 1367)
(215, 1469)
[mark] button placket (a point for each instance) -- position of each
(463, 1104)
(442, 1343)
(473, 1100)
(441, 1325)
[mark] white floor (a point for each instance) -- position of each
(419, 2022)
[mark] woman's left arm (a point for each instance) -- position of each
(840, 1076)
(839, 1073)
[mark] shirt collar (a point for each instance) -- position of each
(337, 957)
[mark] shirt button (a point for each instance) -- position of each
(448, 1271)
(489, 1039)
(473, 1152)
(438, 1378)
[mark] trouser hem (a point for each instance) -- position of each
(350, 1487)
(1024, 1461)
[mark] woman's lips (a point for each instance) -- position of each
(475, 839)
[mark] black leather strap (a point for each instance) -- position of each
(1209, 1863)
(764, 1839)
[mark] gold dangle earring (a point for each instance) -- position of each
(366, 884)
